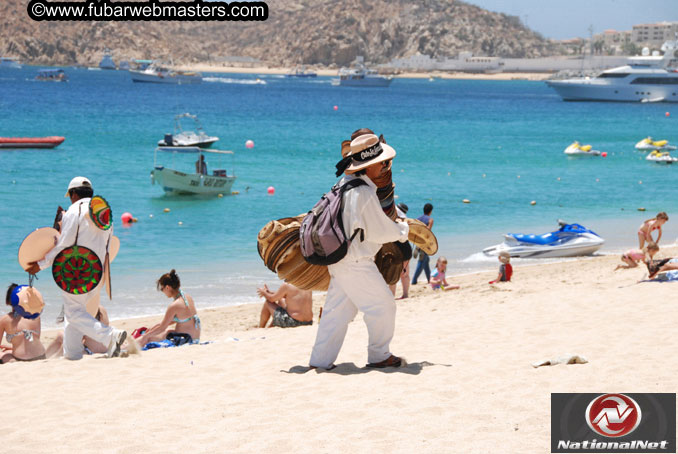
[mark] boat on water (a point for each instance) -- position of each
(661, 157)
(9, 63)
(52, 75)
(302, 72)
(576, 149)
(199, 182)
(158, 74)
(648, 144)
(107, 60)
(569, 240)
(647, 78)
(360, 76)
(31, 142)
(124, 65)
(184, 138)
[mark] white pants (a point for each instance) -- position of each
(78, 323)
(355, 286)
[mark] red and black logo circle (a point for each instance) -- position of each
(613, 415)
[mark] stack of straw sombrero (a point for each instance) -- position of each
(279, 247)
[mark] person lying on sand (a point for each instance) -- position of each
(288, 307)
(658, 266)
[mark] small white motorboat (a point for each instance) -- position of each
(183, 138)
(575, 149)
(198, 182)
(647, 144)
(661, 157)
(155, 73)
(569, 241)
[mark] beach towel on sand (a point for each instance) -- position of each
(172, 340)
(567, 359)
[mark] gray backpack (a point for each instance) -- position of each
(323, 240)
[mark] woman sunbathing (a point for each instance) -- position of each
(22, 333)
(657, 266)
(181, 312)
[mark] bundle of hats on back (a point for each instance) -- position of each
(279, 246)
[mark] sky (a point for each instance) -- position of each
(563, 19)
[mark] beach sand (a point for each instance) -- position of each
(203, 68)
(468, 387)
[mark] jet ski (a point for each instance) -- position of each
(661, 157)
(575, 149)
(568, 241)
(647, 144)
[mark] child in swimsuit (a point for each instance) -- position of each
(633, 256)
(438, 280)
(505, 269)
(180, 312)
(645, 231)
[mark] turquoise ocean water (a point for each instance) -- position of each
(498, 144)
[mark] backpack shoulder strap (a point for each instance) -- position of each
(346, 187)
(354, 183)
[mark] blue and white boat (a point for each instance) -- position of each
(360, 76)
(52, 75)
(107, 60)
(9, 63)
(302, 72)
(158, 74)
(569, 241)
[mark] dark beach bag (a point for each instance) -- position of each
(322, 236)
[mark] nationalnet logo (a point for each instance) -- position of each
(613, 415)
(613, 423)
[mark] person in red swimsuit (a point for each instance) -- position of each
(505, 269)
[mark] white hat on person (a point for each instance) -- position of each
(78, 182)
(367, 150)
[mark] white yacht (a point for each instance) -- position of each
(647, 78)
(360, 76)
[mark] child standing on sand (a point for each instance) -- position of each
(438, 280)
(633, 256)
(645, 231)
(505, 269)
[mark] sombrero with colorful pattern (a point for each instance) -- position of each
(77, 270)
(100, 212)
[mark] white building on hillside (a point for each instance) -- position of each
(654, 35)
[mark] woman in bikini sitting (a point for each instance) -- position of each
(645, 230)
(22, 333)
(180, 312)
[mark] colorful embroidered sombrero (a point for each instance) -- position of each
(100, 212)
(77, 270)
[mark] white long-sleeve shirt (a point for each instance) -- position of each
(362, 210)
(89, 234)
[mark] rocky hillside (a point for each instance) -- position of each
(313, 32)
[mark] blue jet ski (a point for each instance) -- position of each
(568, 241)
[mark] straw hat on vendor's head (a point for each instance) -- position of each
(367, 150)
